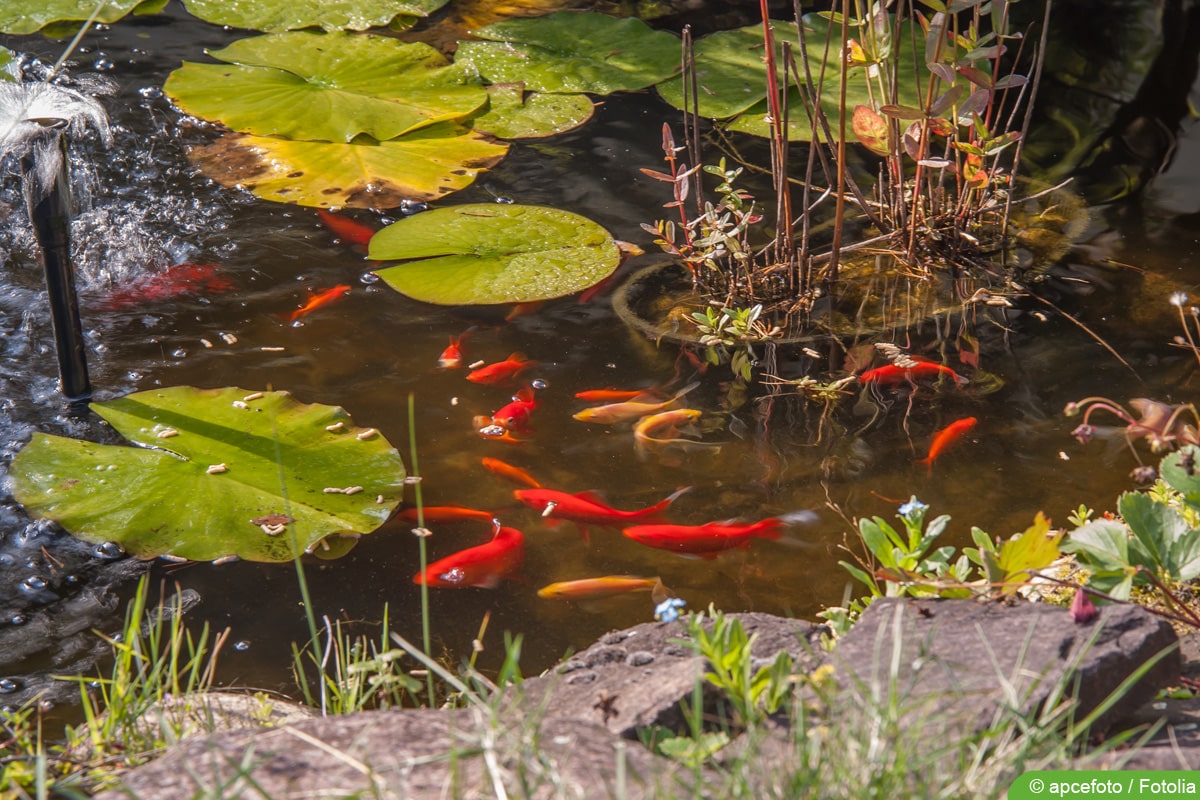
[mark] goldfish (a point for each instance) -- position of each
(892, 374)
(175, 281)
(630, 409)
(488, 429)
(506, 470)
(597, 395)
(588, 588)
(346, 228)
(318, 299)
(502, 370)
(515, 415)
(521, 309)
(445, 514)
(587, 508)
(483, 566)
(710, 539)
(452, 357)
(945, 438)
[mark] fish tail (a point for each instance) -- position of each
(663, 504)
(768, 529)
(928, 462)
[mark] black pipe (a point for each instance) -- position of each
(51, 217)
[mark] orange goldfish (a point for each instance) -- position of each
(506, 470)
(452, 357)
(596, 395)
(484, 565)
(515, 415)
(502, 370)
(667, 423)
(318, 299)
(629, 409)
(946, 438)
(446, 514)
(891, 374)
(346, 228)
(712, 538)
(588, 588)
(587, 508)
(175, 281)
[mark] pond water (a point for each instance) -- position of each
(374, 348)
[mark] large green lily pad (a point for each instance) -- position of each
(490, 253)
(275, 16)
(327, 87)
(514, 113)
(571, 52)
(23, 16)
(220, 472)
(425, 165)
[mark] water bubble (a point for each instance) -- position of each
(17, 619)
(369, 278)
(179, 352)
(108, 550)
(34, 583)
(8, 685)
(103, 65)
(150, 92)
(539, 384)
(242, 646)
(408, 208)
(507, 201)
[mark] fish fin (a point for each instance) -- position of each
(659, 593)
(802, 517)
(591, 495)
(491, 581)
(583, 531)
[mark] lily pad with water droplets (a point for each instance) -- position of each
(275, 16)
(218, 473)
(23, 16)
(514, 113)
(425, 165)
(328, 87)
(488, 253)
(571, 52)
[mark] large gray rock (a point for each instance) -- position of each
(963, 661)
(411, 754)
(637, 677)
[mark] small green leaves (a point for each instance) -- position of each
(573, 52)
(328, 87)
(489, 253)
(284, 15)
(218, 473)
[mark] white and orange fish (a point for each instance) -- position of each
(612, 413)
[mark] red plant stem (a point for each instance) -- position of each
(840, 201)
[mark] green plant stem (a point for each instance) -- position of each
(426, 636)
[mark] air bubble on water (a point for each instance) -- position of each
(34, 583)
(369, 278)
(179, 352)
(108, 550)
(539, 384)
(17, 619)
(243, 645)
(150, 92)
(103, 65)
(8, 685)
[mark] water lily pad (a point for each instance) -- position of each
(22, 16)
(276, 16)
(424, 165)
(252, 475)
(514, 113)
(326, 86)
(569, 52)
(488, 253)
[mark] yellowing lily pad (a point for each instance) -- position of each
(569, 52)
(23, 16)
(326, 86)
(275, 16)
(424, 165)
(514, 113)
(218, 473)
(490, 253)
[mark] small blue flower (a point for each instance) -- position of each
(668, 610)
(912, 508)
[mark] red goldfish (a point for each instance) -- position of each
(318, 299)
(446, 514)
(708, 540)
(588, 588)
(891, 374)
(506, 470)
(452, 357)
(630, 409)
(515, 415)
(484, 565)
(346, 228)
(587, 508)
(502, 370)
(174, 281)
(946, 438)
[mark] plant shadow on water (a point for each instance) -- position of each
(150, 211)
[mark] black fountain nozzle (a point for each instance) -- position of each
(51, 217)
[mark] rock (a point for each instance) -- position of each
(962, 661)
(411, 754)
(636, 678)
(1174, 745)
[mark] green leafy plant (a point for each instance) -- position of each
(729, 334)
(1156, 534)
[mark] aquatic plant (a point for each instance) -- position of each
(1162, 425)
